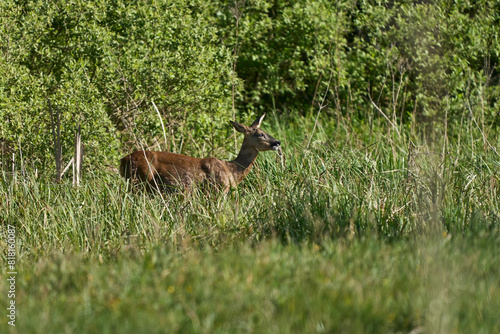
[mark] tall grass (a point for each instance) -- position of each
(382, 187)
(362, 233)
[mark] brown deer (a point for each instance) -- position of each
(165, 171)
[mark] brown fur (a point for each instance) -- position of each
(168, 171)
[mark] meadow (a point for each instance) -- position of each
(337, 235)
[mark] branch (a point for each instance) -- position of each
(385, 116)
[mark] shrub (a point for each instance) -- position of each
(102, 64)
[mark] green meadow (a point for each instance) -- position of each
(331, 238)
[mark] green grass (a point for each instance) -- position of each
(353, 234)
(440, 286)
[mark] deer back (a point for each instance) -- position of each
(168, 171)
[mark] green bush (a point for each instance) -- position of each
(409, 57)
(102, 64)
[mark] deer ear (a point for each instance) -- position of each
(257, 122)
(239, 127)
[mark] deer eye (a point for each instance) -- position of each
(260, 135)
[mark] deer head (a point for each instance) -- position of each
(255, 138)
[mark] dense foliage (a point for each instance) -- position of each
(103, 63)
(406, 55)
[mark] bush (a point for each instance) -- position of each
(408, 57)
(102, 64)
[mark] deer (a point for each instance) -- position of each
(167, 172)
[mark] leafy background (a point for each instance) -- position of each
(103, 63)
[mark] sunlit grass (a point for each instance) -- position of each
(376, 236)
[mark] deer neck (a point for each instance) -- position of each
(243, 163)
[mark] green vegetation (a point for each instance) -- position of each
(336, 239)
(382, 215)
(358, 287)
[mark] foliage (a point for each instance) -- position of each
(381, 216)
(425, 57)
(284, 49)
(102, 64)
